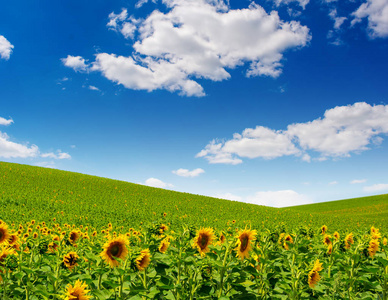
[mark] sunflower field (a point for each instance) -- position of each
(38, 261)
(71, 236)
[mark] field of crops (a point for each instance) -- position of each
(72, 236)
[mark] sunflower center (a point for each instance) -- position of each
(203, 242)
(1, 235)
(73, 236)
(244, 243)
(115, 250)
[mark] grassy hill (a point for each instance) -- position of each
(28, 192)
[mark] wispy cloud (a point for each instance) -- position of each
(187, 173)
(380, 187)
(358, 181)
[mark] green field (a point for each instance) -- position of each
(29, 192)
(67, 236)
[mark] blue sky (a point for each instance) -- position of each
(277, 102)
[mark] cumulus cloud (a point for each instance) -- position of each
(376, 188)
(10, 149)
(77, 63)
(197, 39)
(376, 12)
(154, 182)
(357, 181)
(187, 173)
(279, 198)
(5, 48)
(338, 21)
(342, 131)
(5, 121)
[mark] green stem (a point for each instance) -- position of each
(223, 269)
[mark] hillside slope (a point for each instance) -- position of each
(29, 192)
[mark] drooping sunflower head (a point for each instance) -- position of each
(203, 239)
(4, 234)
(70, 260)
(116, 248)
(313, 276)
(77, 292)
(143, 260)
(244, 242)
(373, 247)
(323, 229)
(327, 239)
(330, 249)
(349, 240)
(164, 245)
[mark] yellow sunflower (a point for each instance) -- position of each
(113, 249)
(327, 239)
(77, 292)
(164, 245)
(314, 277)
(385, 241)
(4, 234)
(244, 242)
(203, 239)
(74, 236)
(143, 260)
(13, 239)
(336, 235)
(4, 252)
(287, 240)
(70, 260)
(323, 229)
(330, 249)
(373, 247)
(349, 240)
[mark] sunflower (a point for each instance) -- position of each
(74, 236)
(143, 260)
(314, 277)
(287, 240)
(164, 245)
(4, 234)
(336, 235)
(203, 239)
(115, 248)
(70, 260)
(323, 229)
(385, 241)
(327, 239)
(349, 240)
(77, 292)
(4, 252)
(222, 239)
(244, 242)
(373, 247)
(329, 249)
(13, 239)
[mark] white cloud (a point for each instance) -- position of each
(77, 63)
(140, 3)
(376, 11)
(229, 196)
(5, 48)
(93, 88)
(187, 173)
(357, 181)
(333, 182)
(279, 198)
(154, 182)
(197, 39)
(46, 164)
(338, 21)
(5, 121)
(58, 155)
(302, 3)
(376, 187)
(342, 130)
(9, 149)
